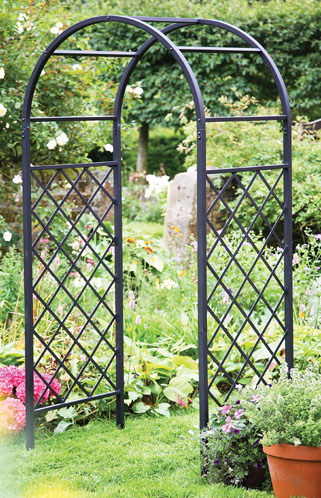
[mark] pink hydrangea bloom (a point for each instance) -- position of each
(12, 416)
(225, 409)
(40, 390)
(18, 375)
(6, 385)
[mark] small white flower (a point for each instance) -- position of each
(2, 73)
(129, 89)
(168, 284)
(22, 17)
(17, 179)
(190, 432)
(59, 25)
(108, 148)
(54, 30)
(43, 72)
(3, 111)
(52, 144)
(62, 139)
(7, 125)
(7, 236)
(138, 91)
(19, 28)
(76, 67)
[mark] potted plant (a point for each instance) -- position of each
(289, 415)
(230, 449)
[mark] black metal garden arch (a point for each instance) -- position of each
(204, 176)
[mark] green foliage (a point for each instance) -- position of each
(231, 453)
(289, 412)
(252, 144)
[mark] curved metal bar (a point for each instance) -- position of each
(157, 34)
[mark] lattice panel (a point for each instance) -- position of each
(245, 280)
(73, 282)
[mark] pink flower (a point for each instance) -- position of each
(137, 321)
(227, 428)
(225, 298)
(308, 292)
(302, 307)
(228, 419)
(44, 241)
(295, 260)
(255, 398)
(6, 384)
(225, 409)
(57, 260)
(18, 375)
(12, 416)
(131, 304)
(112, 250)
(312, 312)
(131, 295)
(238, 413)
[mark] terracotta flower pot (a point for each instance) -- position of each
(295, 470)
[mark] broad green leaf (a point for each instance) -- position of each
(140, 407)
(69, 412)
(50, 416)
(62, 426)
(155, 261)
(133, 395)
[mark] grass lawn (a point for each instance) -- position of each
(149, 458)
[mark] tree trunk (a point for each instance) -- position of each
(141, 164)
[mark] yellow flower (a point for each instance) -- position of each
(183, 273)
(302, 315)
(148, 249)
(130, 240)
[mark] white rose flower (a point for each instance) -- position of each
(2, 73)
(3, 111)
(129, 89)
(108, 148)
(22, 17)
(76, 67)
(138, 91)
(52, 144)
(7, 236)
(17, 179)
(62, 139)
(54, 30)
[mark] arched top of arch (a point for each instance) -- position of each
(161, 36)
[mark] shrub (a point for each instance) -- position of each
(289, 412)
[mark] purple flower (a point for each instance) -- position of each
(238, 402)
(317, 236)
(259, 464)
(236, 431)
(256, 442)
(217, 462)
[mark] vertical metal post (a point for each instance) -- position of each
(201, 264)
(28, 291)
(287, 192)
(119, 274)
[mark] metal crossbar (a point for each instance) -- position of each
(76, 330)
